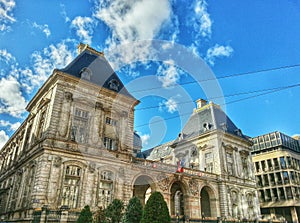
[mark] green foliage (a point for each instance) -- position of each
(134, 211)
(114, 212)
(100, 216)
(156, 210)
(86, 216)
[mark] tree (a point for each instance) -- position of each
(100, 216)
(86, 216)
(114, 212)
(156, 210)
(134, 211)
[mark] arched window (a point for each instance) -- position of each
(105, 190)
(71, 186)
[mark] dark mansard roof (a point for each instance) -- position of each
(91, 65)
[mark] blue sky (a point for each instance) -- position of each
(214, 38)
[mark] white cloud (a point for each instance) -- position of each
(202, 22)
(64, 13)
(170, 104)
(132, 20)
(84, 28)
(168, 74)
(6, 15)
(44, 28)
(6, 56)
(12, 126)
(3, 138)
(218, 51)
(44, 62)
(145, 139)
(129, 21)
(11, 99)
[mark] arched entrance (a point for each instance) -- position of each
(205, 202)
(143, 187)
(209, 202)
(177, 199)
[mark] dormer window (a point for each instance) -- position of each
(238, 132)
(86, 74)
(207, 126)
(114, 84)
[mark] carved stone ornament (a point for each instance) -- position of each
(92, 167)
(194, 188)
(121, 172)
(163, 181)
(57, 161)
(32, 163)
(68, 96)
(98, 105)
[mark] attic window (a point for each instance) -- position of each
(114, 85)
(238, 132)
(86, 74)
(206, 126)
(224, 126)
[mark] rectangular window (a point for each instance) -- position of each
(286, 177)
(81, 113)
(80, 126)
(257, 167)
(109, 143)
(282, 163)
(263, 165)
(270, 166)
(110, 121)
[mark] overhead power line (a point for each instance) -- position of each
(229, 95)
(222, 77)
(230, 102)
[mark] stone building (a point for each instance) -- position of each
(78, 147)
(212, 144)
(277, 169)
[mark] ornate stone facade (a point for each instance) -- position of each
(76, 148)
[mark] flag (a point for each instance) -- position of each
(180, 166)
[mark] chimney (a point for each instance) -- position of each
(81, 47)
(201, 103)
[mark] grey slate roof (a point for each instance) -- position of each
(208, 118)
(101, 72)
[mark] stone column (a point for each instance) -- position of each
(96, 123)
(223, 200)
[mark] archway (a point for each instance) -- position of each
(177, 199)
(143, 187)
(205, 202)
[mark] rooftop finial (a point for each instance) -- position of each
(82, 47)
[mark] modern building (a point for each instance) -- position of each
(78, 147)
(277, 170)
